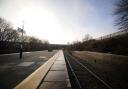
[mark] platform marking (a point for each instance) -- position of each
(25, 64)
(42, 57)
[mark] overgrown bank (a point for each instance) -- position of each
(115, 45)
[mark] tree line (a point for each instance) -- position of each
(10, 39)
(115, 45)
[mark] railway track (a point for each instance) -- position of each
(81, 77)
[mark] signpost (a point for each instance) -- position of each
(21, 44)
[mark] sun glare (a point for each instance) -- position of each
(40, 22)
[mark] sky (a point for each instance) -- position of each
(61, 21)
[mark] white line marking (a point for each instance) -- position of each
(16, 53)
(9, 54)
(25, 64)
(42, 57)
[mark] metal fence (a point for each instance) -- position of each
(113, 35)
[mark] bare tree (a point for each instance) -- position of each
(36, 43)
(5, 29)
(45, 41)
(10, 39)
(121, 12)
(86, 37)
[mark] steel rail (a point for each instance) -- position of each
(78, 83)
(97, 77)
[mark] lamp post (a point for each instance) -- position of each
(21, 44)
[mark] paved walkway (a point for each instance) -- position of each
(57, 77)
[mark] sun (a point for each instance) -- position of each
(39, 18)
(42, 23)
(39, 22)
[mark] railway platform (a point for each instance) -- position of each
(57, 77)
(51, 75)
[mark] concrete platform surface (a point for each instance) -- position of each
(57, 77)
(58, 67)
(14, 70)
